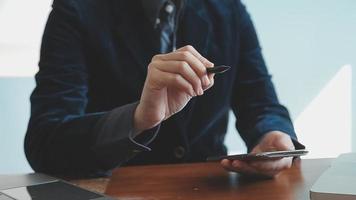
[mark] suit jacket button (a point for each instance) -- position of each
(179, 152)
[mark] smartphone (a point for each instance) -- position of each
(260, 156)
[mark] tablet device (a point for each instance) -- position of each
(261, 156)
(56, 190)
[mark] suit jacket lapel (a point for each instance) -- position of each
(134, 29)
(194, 30)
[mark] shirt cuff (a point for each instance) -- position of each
(115, 142)
(145, 138)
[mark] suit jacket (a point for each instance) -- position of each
(92, 69)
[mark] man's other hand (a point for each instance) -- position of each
(272, 141)
(172, 80)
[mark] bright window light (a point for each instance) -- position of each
(325, 124)
(22, 24)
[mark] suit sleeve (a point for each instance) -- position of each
(61, 137)
(255, 103)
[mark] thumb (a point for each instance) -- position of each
(282, 143)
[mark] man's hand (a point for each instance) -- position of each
(172, 80)
(272, 141)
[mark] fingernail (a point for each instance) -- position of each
(208, 63)
(201, 92)
(206, 80)
(196, 92)
(235, 164)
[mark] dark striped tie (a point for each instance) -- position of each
(167, 26)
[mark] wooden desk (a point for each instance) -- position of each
(206, 181)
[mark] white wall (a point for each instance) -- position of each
(309, 47)
(21, 27)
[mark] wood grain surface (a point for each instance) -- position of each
(210, 181)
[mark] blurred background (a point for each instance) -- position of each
(309, 46)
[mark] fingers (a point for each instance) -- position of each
(192, 50)
(211, 78)
(171, 80)
(226, 164)
(274, 141)
(183, 69)
(238, 166)
(271, 165)
(188, 57)
(263, 168)
(188, 63)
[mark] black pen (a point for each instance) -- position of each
(217, 69)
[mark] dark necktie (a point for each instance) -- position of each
(167, 27)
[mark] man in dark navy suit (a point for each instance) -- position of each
(124, 83)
